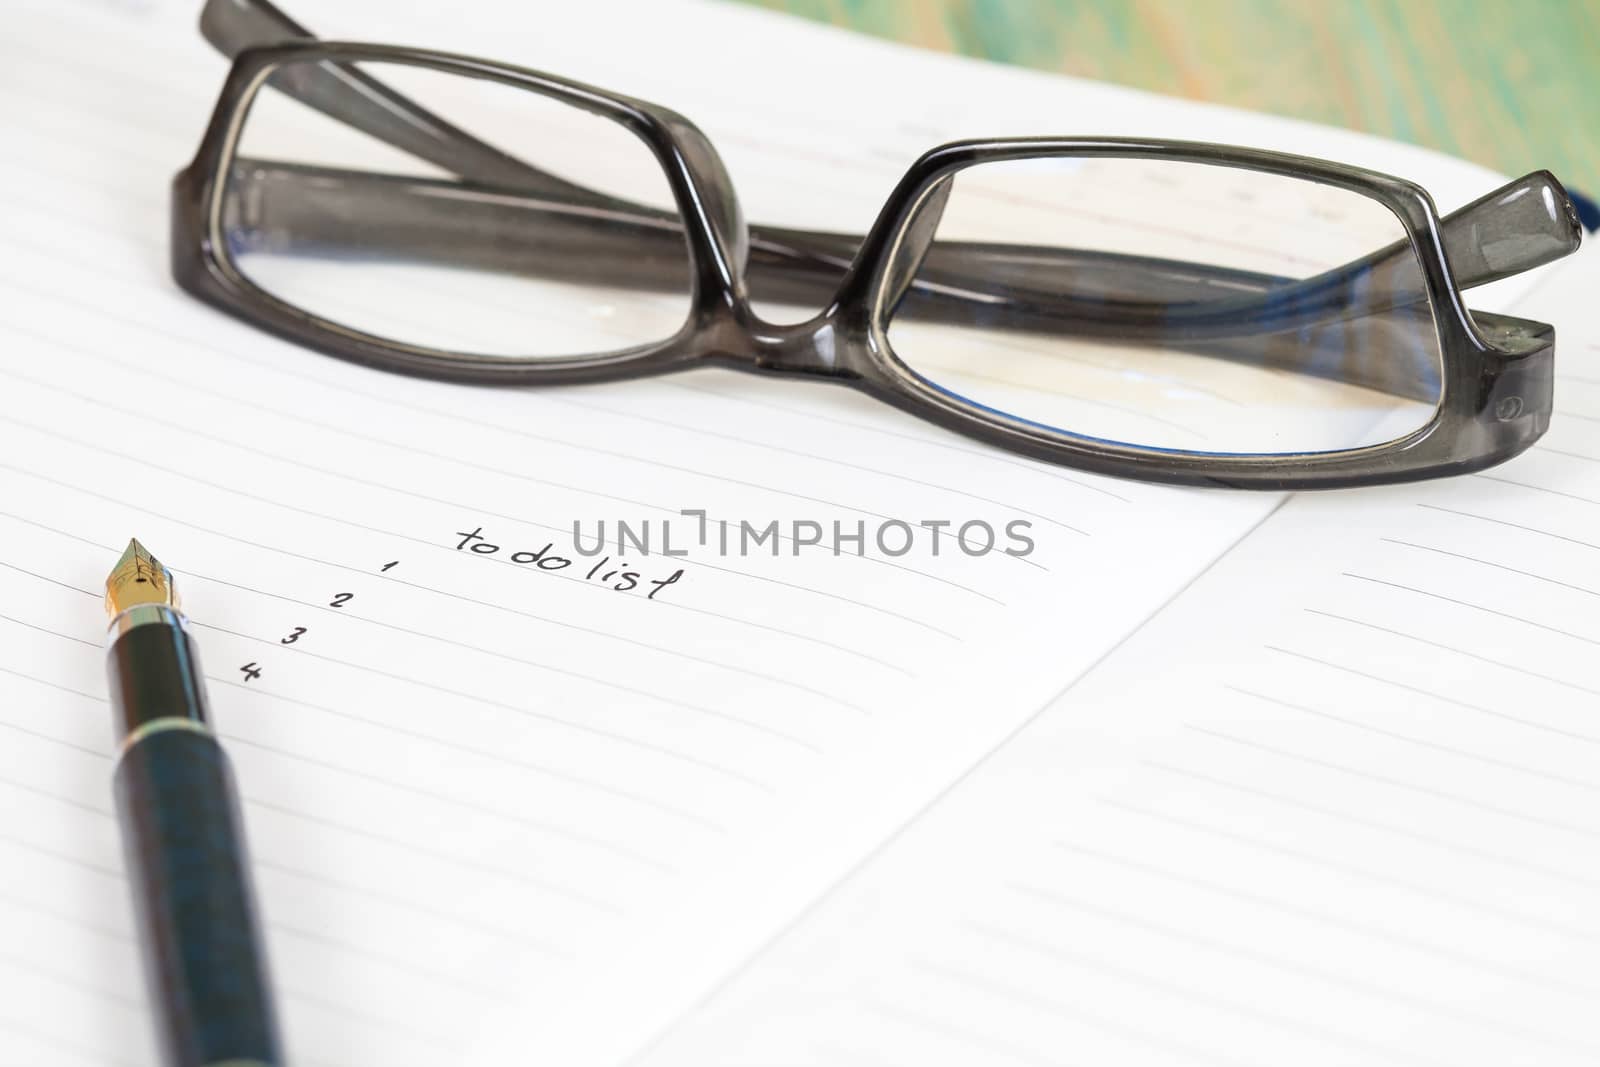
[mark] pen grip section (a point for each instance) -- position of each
(188, 869)
(154, 673)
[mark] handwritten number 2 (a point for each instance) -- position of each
(251, 672)
(293, 637)
(341, 599)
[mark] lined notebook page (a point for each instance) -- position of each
(1335, 804)
(489, 802)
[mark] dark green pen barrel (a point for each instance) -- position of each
(187, 863)
(187, 867)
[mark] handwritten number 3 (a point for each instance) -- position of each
(295, 636)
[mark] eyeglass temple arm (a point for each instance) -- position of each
(1523, 224)
(295, 207)
(343, 92)
(1520, 226)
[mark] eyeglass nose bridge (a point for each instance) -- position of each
(836, 342)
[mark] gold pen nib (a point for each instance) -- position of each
(138, 578)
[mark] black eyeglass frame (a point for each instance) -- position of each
(1497, 372)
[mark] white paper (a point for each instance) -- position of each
(1334, 804)
(517, 811)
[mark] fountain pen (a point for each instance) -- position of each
(205, 966)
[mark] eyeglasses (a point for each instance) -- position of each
(1162, 310)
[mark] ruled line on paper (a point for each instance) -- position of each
(925, 440)
(920, 439)
(480, 423)
(1007, 345)
(1421, 742)
(1517, 668)
(93, 41)
(1065, 1010)
(1375, 877)
(1379, 825)
(556, 401)
(345, 431)
(1263, 748)
(624, 739)
(830, 460)
(71, 981)
(561, 401)
(1455, 701)
(312, 935)
(92, 1055)
(54, 633)
(1088, 401)
(510, 760)
(1320, 917)
(696, 819)
(1034, 945)
(1501, 479)
(403, 446)
(748, 724)
(27, 118)
(467, 863)
(471, 647)
(324, 938)
(79, 862)
(66, 918)
(568, 778)
(138, 1014)
(1507, 522)
(620, 850)
(1570, 455)
(466, 922)
(320, 938)
(634, 742)
(609, 683)
(234, 491)
(1491, 563)
(269, 862)
(127, 944)
(1274, 961)
(968, 1036)
(992, 456)
(169, 517)
(1475, 607)
(727, 717)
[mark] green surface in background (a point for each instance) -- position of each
(1512, 84)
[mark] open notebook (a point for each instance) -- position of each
(1333, 804)
(505, 815)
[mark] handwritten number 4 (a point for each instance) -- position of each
(341, 599)
(251, 672)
